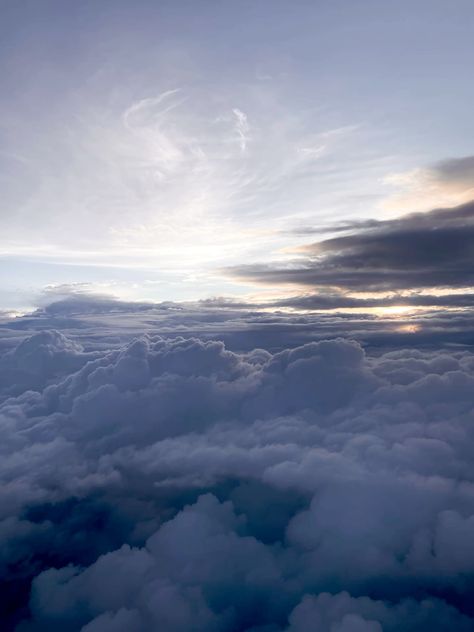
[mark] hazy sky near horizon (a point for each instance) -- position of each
(148, 147)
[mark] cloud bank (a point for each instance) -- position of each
(425, 250)
(170, 483)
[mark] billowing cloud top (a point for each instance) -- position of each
(169, 483)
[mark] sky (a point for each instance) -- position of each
(236, 316)
(149, 150)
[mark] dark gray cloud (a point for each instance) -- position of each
(171, 483)
(455, 171)
(325, 301)
(98, 325)
(427, 250)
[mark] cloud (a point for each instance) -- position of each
(242, 128)
(325, 301)
(173, 483)
(416, 251)
(101, 323)
(456, 170)
(343, 613)
(39, 359)
(447, 183)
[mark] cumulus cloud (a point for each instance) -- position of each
(38, 359)
(171, 483)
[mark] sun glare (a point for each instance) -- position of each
(409, 328)
(394, 310)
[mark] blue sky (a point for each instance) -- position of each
(147, 147)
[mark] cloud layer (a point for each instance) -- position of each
(173, 484)
(417, 251)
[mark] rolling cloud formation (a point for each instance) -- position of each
(170, 483)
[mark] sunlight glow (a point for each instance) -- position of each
(409, 328)
(394, 311)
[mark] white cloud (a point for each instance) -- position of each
(242, 128)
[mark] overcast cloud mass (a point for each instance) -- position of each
(161, 481)
(236, 316)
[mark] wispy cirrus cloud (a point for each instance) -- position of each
(242, 128)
